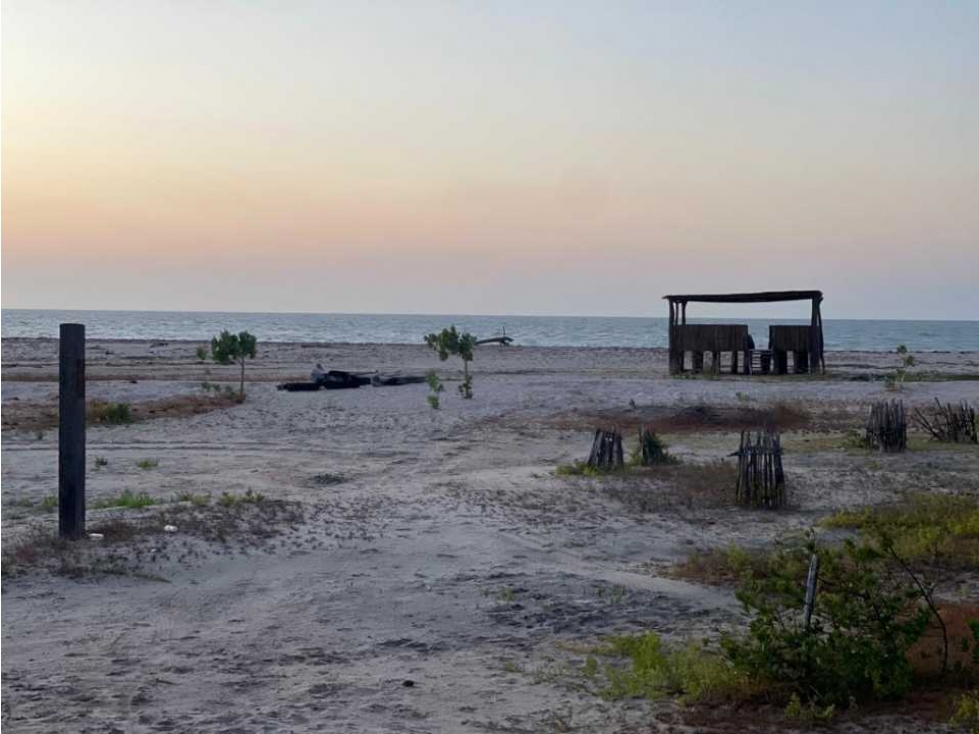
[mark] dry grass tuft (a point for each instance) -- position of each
(37, 416)
(783, 415)
(650, 489)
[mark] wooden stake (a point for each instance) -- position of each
(71, 432)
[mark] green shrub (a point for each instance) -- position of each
(651, 451)
(867, 617)
(100, 461)
(654, 670)
(146, 464)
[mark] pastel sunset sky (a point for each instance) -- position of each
(489, 157)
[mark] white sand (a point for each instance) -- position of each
(449, 554)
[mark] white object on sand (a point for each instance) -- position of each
(96, 536)
(169, 528)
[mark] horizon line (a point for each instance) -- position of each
(455, 315)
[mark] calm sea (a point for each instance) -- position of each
(575, 331)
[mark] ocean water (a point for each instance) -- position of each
(575, 331)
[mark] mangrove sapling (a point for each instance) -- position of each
(450, 342)
(435, 385)
(228, 348)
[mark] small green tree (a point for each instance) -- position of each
(231, 348)
(907, 361)
(449, 342)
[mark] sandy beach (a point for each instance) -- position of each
(408, 570)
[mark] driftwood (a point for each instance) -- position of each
(949, 423)
(887, 427)
(761, 481)
(606, 451)
(503, 341)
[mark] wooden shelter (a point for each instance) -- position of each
(805, 343)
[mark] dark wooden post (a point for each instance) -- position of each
(815, 360)
(71, 432)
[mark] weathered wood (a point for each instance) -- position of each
(789, 337)
(805, 341)
(710, 337)
(949, 423)
(71, 431)
(811, 581)
(756, 297)
(761, 481)
(606, 451)
(887, 427)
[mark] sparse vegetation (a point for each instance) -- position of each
(906, 362)
(228, 348)
(582, 469)
(127, 500)
(967, 712)
(100, 461)
(435, 387)
(229, 499)
(651, 450)
(720, 566)
(654, 670)
(197, 500)
(201, 354)
(450, 342)
(49, 503)
(936, 530)
(113, 414)
(146, 464)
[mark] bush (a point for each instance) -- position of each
(868, 614)
(651, 450)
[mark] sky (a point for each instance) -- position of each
(563, 157)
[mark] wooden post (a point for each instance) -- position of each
(71, 432)
(811, 580)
